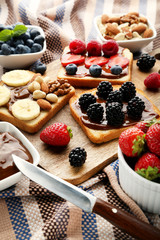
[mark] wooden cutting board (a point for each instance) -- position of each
(55, 160)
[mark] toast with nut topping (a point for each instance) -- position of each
(29, 100)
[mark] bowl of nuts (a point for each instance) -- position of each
(21, 45)
(132, 30)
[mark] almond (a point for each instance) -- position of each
(112, 29)
(104, 18)
(114, 19)
(44, 104)
(139, 28)
(143, 19)
(44, 87)
(148, 33)
(132, 13)
(34, 76)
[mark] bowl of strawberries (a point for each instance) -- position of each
(139, 164)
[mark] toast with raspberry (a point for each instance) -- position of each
(90, 112)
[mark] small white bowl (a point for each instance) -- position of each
(134, 45)
(14, 61)
(144, 192)
(13, 179)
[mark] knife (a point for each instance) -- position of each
(89, 203)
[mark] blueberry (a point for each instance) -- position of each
(6, 49)
(1, 42)
(27, 49)
(12, 50)
(10, 42)
(95, 70)
(29, 42)
(40, 68)
(18, 42)
(20, 49)
(25, 36)
(39, 39)
(1, 52)
(36, 48)
(34, 33)
(116, 69)
(71, 69)
(2, 27)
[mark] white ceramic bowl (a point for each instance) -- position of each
(14, 61)
(144, 192)
(134, 45)
(13, 179)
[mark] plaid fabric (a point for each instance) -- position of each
(28, 211)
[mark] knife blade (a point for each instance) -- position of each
(89, 203)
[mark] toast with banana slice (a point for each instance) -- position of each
(102, 121)
(29, 100)
(83, 78)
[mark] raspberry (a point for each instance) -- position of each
(152, 81)
(94, 48)
(95, 112)
(77, 46)
(128, 91)
(86, 99)
(110, 48)
(114, 114)
(146, 62)
(135, 108)
(103, 89)
(77, 157)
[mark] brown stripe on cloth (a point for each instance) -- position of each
(77, 16)
(157, 25)
(54, 212)
(88, 15)
(6, 230)
(121, 6)
(11, 14)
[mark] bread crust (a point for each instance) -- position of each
(100, 136)
(91, 82)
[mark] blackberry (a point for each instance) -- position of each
(114, 96)
(135, 108)
(77, 157)
(95, 112)
(128, 91)
(114, 114)
(146, 62)
(85, 100)
(103, 89)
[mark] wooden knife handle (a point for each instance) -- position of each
(126, 222)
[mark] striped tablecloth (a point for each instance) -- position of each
(28, 211)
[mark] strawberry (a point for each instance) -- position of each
(148, 166)
(118, 60)
(57, 134)
(144, 125)
(98, 60)
(72, 58)
(132, 141)
(153, 138)
(152, 81)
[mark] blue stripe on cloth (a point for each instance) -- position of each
(115, 166)
(22, 11)
(98, 11)
(142, 7)
(89, 225)
(10, 192)
(59, 15)
(18, 218)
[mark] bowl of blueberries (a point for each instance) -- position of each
(21, 45)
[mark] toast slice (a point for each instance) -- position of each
(45, 114)
(104, 135)
(82, 78)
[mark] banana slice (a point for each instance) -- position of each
(4, 95)
(17, 78)
(25, 109)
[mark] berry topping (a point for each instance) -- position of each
(77, 157)
(116, 69)
(110, 48)
(95, 112)
(95, 70)
(57, 134)
(86, 99)
(153, 138)
(128, 91)
(71, 58)
(132, 142)
(152, 81)
(146, 62)
(148, 166)
(135, 108)
(94, 48)
(114, 96)
(77, 46)
(118, 60)
(103, 89)
(114, 114)
(95, 61)
(71, 69)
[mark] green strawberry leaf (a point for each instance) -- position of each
(149, 173)
(70, 131)
(139, 145)
(19, 30)
(7, 34)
